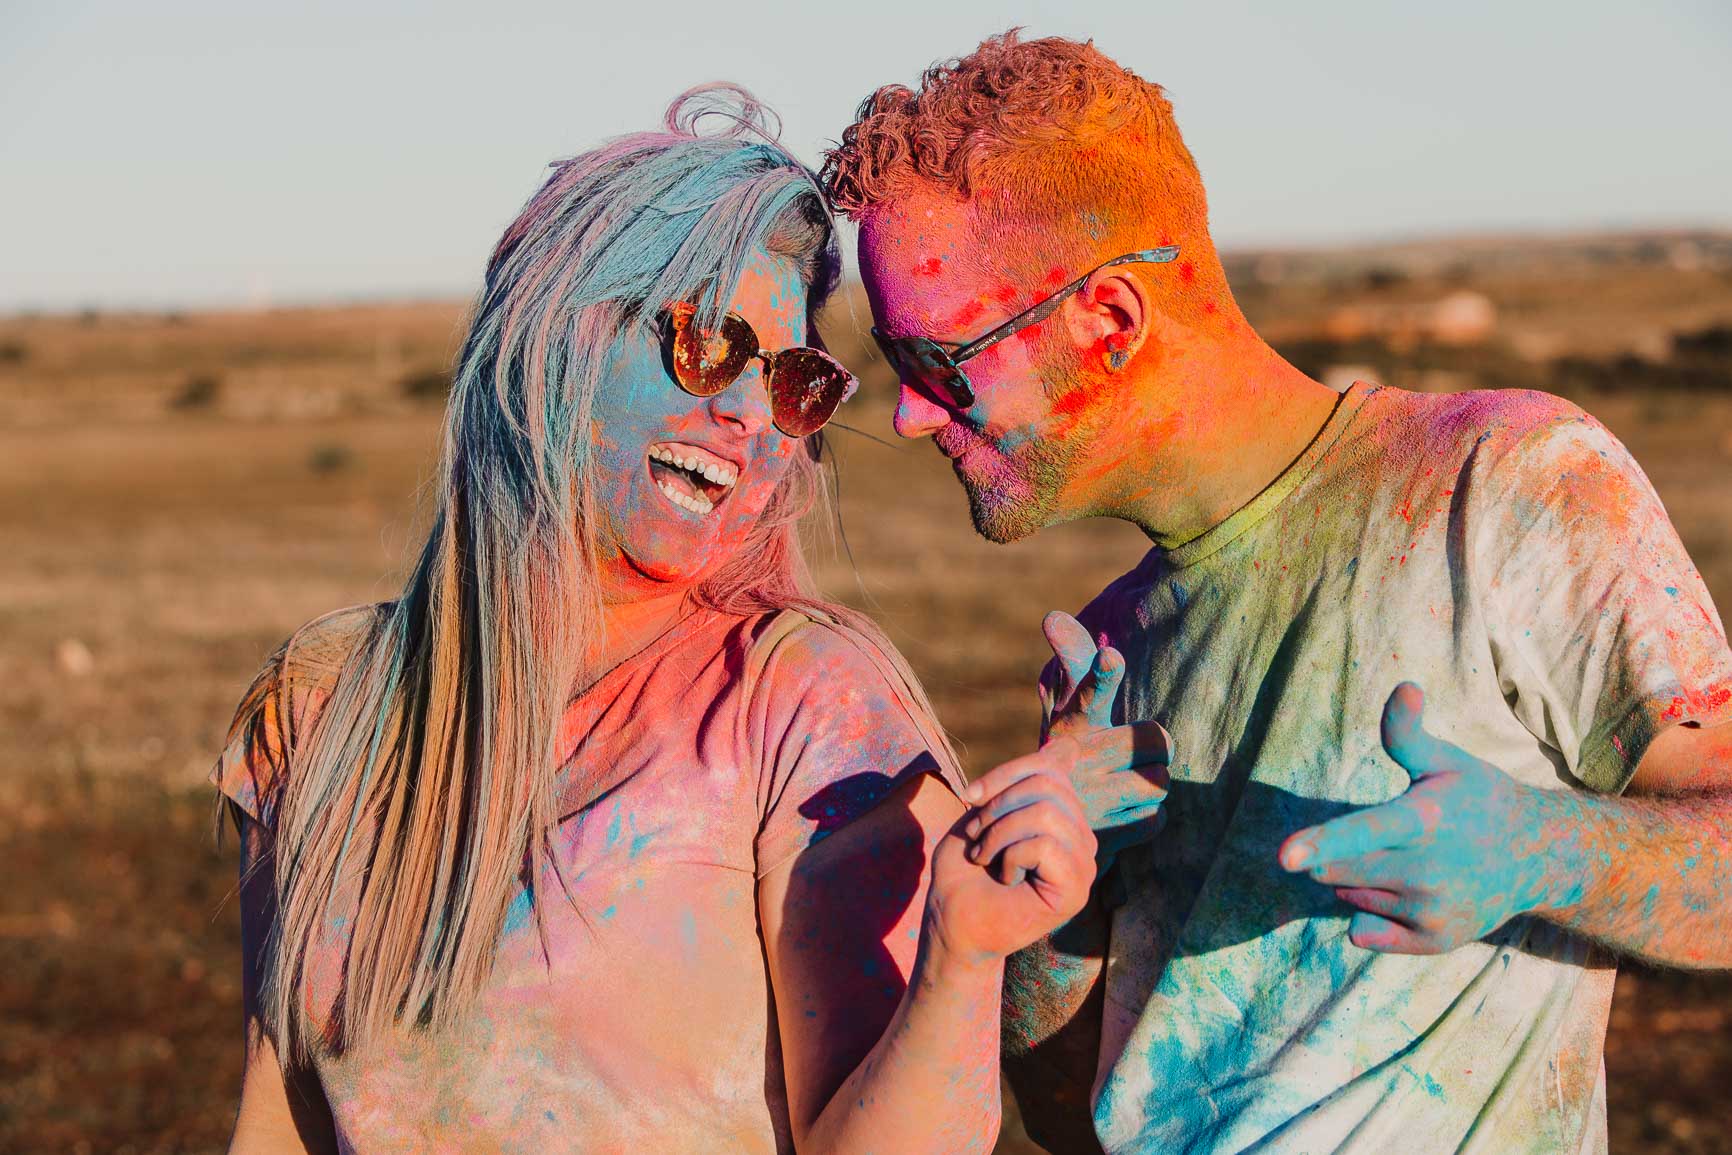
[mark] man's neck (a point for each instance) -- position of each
(1232, 419)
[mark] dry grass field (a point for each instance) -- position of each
(178, 493)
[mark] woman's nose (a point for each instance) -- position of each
(744, 405)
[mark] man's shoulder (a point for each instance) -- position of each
(1445, 425)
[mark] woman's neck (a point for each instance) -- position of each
(628, 626)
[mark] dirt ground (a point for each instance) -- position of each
(178, 493)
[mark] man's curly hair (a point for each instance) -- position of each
(1049, 132)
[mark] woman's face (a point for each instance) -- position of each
(684, 479)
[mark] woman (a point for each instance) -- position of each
(608, 831)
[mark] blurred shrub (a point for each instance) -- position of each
(13, 352)
(199, 391)
(426, 385)
(330, 457)
(1713, 341)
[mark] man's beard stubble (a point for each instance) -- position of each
(1019, 493)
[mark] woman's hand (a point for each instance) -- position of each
(1015, 867)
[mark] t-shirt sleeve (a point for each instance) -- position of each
(837, 730)
(277, 708)
(253, 765)
(1603, 631)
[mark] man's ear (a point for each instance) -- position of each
(1109, 317)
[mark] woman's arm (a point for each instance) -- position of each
(887, 973)
(278, 1112)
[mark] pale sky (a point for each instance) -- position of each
(186, 154)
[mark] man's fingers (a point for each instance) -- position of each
(1353, 835)
(1099, 688)
(1413, 748)
(1110, 748)
(1383, 903)
(1380, 870)
(1074, 649)
(1139, 744)
(1374, 932)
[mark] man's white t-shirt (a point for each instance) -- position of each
(1502, 550)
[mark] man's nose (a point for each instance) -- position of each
(917, 416)
(744, 405)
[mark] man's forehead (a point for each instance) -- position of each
(924, 260)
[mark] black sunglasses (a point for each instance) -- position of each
(805, 384)
(935, 371)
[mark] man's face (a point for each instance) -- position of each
(1022, 451)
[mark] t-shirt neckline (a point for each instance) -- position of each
(1277, 491)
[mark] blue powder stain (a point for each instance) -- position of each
(517, 914)
(613, 828)
(610, 912)
(869, 967)
(549, 1116)
(689, 929)
(1673, 590)
(1181, 596)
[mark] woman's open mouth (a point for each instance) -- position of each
(694, 479)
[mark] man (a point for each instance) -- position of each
(1360, 927)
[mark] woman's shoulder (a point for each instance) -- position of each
(281, 701)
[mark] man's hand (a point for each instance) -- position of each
(1121, 799)
(1451, 860)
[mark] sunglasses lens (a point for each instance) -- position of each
(805, 388)
(927, 368)
(705, 362)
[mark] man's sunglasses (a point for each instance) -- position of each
(935, 371)
(805, 385)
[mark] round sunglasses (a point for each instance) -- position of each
(805, 385)
(935, 372)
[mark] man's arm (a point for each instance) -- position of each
(1055, 990)
(1650, 874)
(1467, 848)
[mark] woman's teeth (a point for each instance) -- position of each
(717, 474)
(695, 504)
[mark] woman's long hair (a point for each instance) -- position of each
(424, 786)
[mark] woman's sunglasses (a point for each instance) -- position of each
(805, 385)
(935, 372)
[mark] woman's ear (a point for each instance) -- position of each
(1109, 317)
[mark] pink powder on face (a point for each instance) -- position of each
(968, 314)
